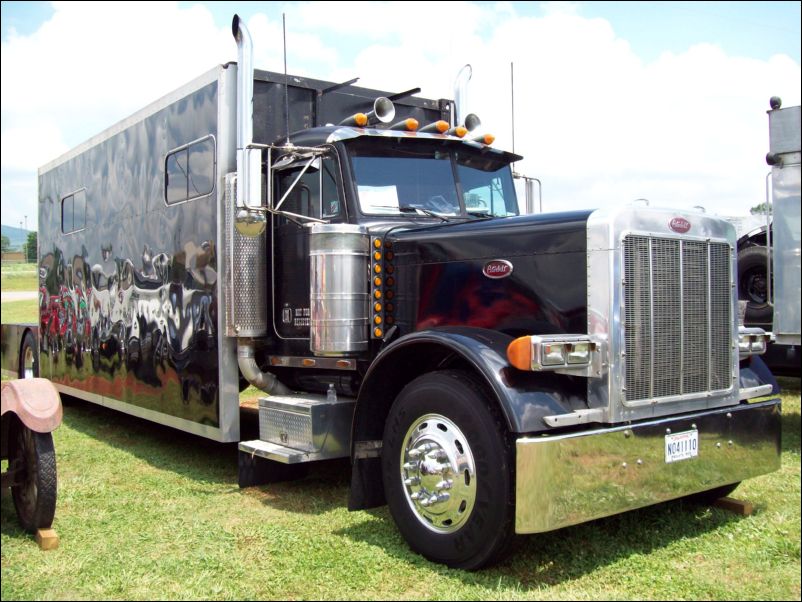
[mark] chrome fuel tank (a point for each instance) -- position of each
(339, 288)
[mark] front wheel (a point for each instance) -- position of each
(448, 470)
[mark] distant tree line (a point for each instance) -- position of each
(28, 248)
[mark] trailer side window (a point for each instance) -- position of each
(189, 171)
(73, 212)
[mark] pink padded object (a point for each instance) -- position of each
(35, 401)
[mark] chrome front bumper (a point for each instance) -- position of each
(569, 479)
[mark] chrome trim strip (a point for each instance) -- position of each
(188, 426)
(752, 392)
(709, 322)
(227, 369)
(577, 417)
(154, 107)
(569, 479)
(285, 455)
(326, 363)
(651, 318)
(682, 317)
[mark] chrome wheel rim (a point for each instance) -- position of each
(438, 473)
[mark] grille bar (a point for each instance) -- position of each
(677, 317)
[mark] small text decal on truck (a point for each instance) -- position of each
(498, 268)
(680, 225)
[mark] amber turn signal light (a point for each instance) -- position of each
(519, 353)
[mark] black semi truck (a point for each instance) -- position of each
(359, 256)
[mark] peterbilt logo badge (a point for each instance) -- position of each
(498, 268)
(680, 225)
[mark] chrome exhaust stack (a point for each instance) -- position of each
(470, 121)
(249, 160)
(246, 300)
(461, 94)
(246, 359)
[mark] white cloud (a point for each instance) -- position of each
(25, 147)
(595, 122)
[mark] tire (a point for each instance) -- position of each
(443, 427)
(708, 497)
(35, 492)
(753, 283)
(28, 357)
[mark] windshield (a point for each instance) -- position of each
(429, 179)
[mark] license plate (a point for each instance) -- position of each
(682, 446)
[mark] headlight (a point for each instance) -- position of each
(551, 352)
(579, 353)
(752, 341)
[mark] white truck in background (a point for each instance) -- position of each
(769, 247)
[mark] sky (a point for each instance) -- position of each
(614, 101)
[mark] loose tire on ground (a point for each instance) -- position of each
(34, 493)
(448, 415)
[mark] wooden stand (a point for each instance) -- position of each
(739, 507)
(47, 539)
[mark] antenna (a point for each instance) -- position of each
(286, 79)
(512, 102)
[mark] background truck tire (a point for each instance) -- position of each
(34, 492)
(448, 419)
(753, 283)
(28, 357)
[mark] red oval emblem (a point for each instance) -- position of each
(498, 268)
(680, 225)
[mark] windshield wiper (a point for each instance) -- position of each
(480, 214)
(412, 208)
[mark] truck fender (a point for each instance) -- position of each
(524, 398)
(754, 372)
(756, 236)
(35, 401)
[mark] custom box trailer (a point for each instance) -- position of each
(375, 279)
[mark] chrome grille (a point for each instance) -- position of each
(677, 317)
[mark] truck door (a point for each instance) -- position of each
(317, 194)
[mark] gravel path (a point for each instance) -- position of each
(18, 295)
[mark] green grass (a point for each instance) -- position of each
(19, 277)
(148, 512)
(15, 312)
